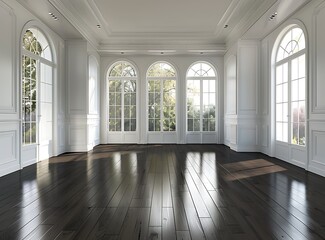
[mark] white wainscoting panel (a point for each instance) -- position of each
(9, 147)
(317, 149)
(28, 155)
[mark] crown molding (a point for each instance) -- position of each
(175, 49)
(250, 18)
(76, 22)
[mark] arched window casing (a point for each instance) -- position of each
(37, 73)
(122, 95)
(161, 80)
(290, 88)
(201, 98)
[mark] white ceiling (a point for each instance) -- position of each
(152, 26)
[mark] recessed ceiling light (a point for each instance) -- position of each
(273, 16)
(53, 16)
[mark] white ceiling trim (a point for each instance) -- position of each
(77, 23)
(98, 15)
(248, 20)
(225, 18)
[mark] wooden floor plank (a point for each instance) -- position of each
(162, 192)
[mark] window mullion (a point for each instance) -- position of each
(201, 105)
(289, 101)
(122, 105)
(161, 104)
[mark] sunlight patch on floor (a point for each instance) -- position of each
(251, 168)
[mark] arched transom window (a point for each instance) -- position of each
(201, 98)
(291, 88)
(122, 88)
(161, 79)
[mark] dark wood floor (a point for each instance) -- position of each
(162, 192)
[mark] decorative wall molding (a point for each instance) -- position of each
(318, 61)
(8, 73)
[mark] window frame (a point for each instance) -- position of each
(161, 79)
(39, 59)
(122, 79)
(201, 79)
(288, 60)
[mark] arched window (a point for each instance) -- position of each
(201, 98)
(122, 88)
(161, 79)
(37, 67)
(290, 87)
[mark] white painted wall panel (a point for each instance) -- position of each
(231, 85)
(8, 147)
(247, 77)
(319, 83)
(77, 77)
(7, 60)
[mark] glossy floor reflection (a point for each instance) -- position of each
(162, 192)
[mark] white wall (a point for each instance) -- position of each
(142, 63)
(241, 97)
(15, 18)
(311, 18)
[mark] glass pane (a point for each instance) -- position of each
(206, 86)
(172, 124)
(302, 67)
(133, 112)
(279, 93)
(151, 112)
(157, 125)
(205, 125)
(166, 124)
(133, 125)
(302, 89)
(294, 90)
(27, 133)
(127, 124)
(118, 125)
(295, 112)
(151, 125)
(127, 112)
(279, 112)
(302, 112)
(118, 99)
(33, 132)
(212, 125)
(279, 132)
(111, 86)
(212, 98)
(196, 125)
(118, 111)
(294, 69)
(112, 99)
(157, 112)
(279, 74)
(112, 112)
(302, 134)
(127, 99)
(133, 99)
(190, 125)
(295, 133)
(285, 130)
(112, 125)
